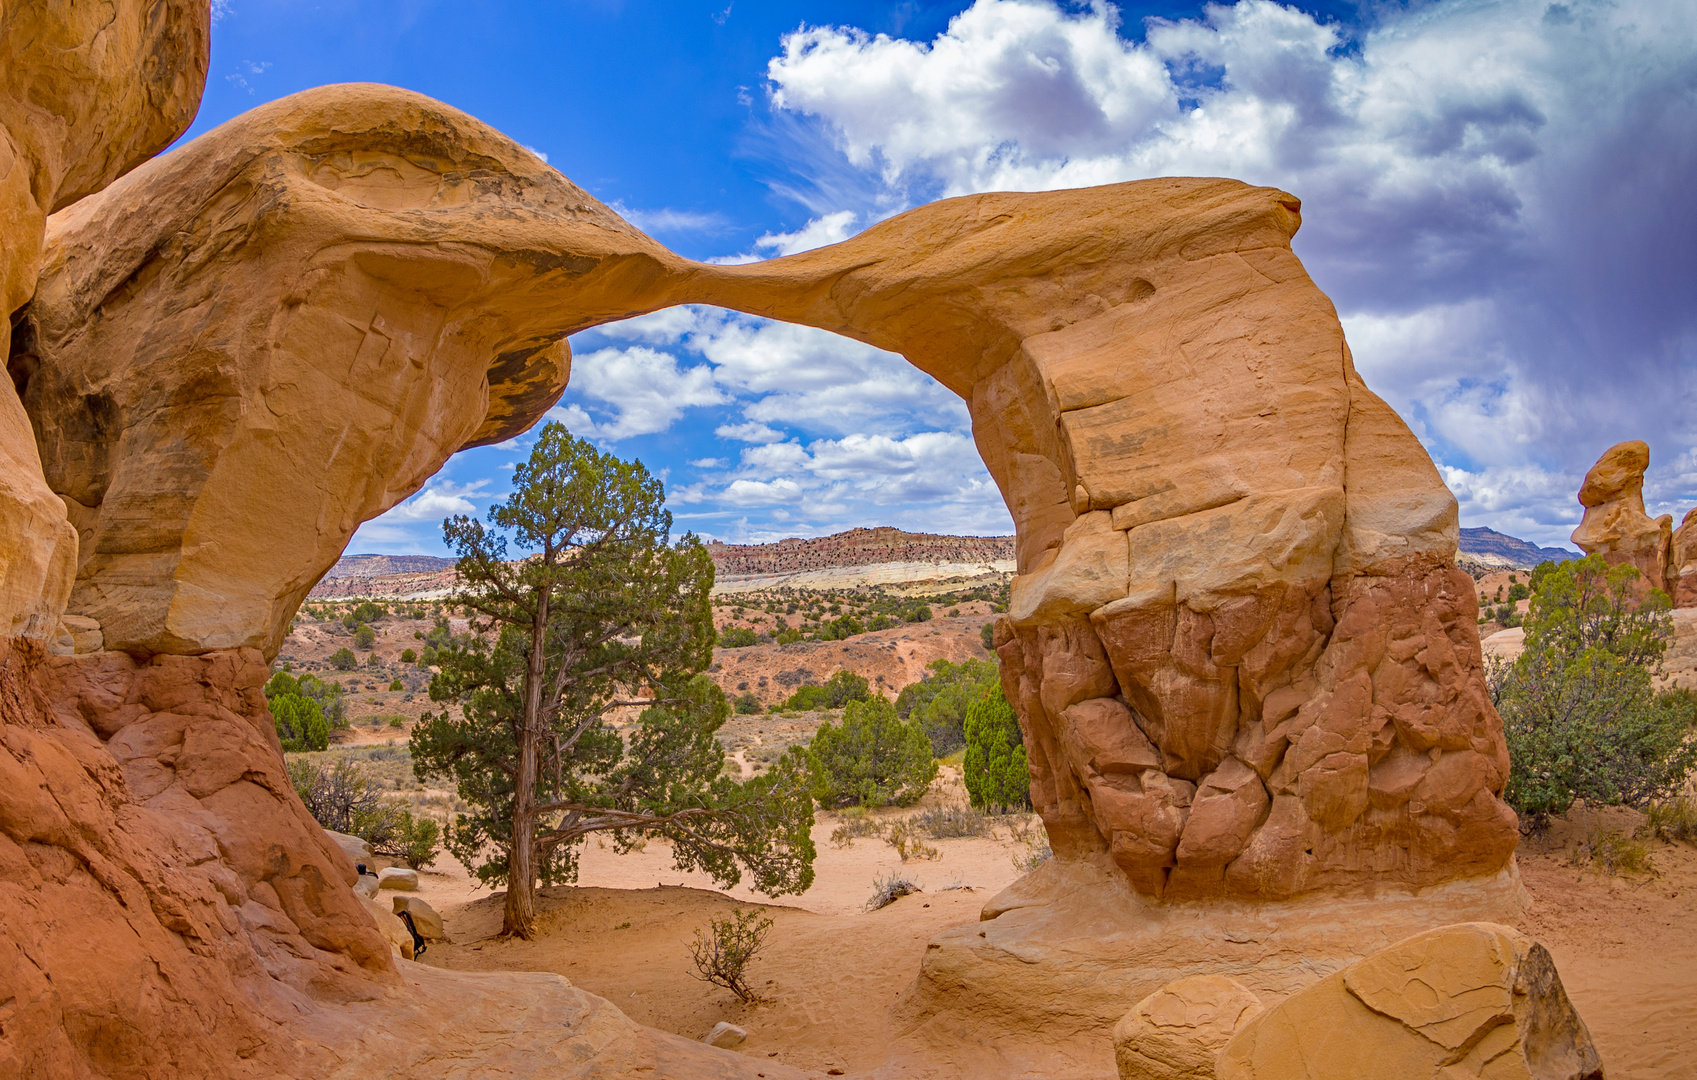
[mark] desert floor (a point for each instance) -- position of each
(833, 973)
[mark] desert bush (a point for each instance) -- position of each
(951, 822)
(748, 705)
(987, 634)
(874, 758)
(890, 888)
(1036, 853)
(365, 636)
(364, 612)
(1672, 819)
(396, 684)
(300, 723)
(343, 659)
(856, 824)
(839, 690)
(737, 637)
(341, 797)
(1612, 852)
(408, 656)
(1580, 712)
(723, 949)
(994, 769)
(909, 841)
(939, 700)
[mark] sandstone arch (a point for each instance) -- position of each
(1244, 660)
(1246, 663)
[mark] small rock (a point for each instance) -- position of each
(724, 1034)
(397, 877)
(358, 850)
(423, 916)
(367, 885)
(1176, 1032)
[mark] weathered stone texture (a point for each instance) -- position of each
(1617, 527)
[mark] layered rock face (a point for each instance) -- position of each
(1617, 527)
(87, 90)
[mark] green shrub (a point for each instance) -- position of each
(1612, 852)
(328, 695)
(365, 637)
(938, 702)
(343, 659)
(1580, 712)
(396, 684)
(994, 769)
(364, 612)
(300, 723)
(839, 690)
(987, 634)
(408, 656)
(917, 613)
(874, 758)
(748, 704)
(737, 637)
(1675, 819)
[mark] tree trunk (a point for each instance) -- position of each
(519, 918)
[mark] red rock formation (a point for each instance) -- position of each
(856, 547)
(1617, 527)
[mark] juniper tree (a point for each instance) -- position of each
(602, 612)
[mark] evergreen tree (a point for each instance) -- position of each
(995, 770)
(602, 612)
(874, 758)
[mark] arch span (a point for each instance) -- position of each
(1245, 663)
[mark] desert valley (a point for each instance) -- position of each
(1239, 759)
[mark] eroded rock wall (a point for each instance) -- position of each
(1617, 527)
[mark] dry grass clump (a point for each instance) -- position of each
(1673, 820)
(1613, 852)
(723, 949)
(909, 841)
(857, 825)
(887, 890)
(951, 822)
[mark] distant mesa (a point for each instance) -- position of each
(1510, 552)
(858, 547)
(362, 566)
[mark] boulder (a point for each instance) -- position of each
(725, 1034)
(1475, 999)
(358, 850)
(367, 885)
(389, 924)
(424, 917)
(1176, 1032)
(397, 877)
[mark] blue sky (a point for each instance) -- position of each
(1496, 194)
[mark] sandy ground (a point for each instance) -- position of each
(832, 973)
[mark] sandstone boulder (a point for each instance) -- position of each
(358, 850)
(367, 885)
(1474, 999)
(1177, 1032)
(424, 917)
(397, 877)
(389, 924)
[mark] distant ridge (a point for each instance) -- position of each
(361, 566)
(1488, 545)
(857, 547)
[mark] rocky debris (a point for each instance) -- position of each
(397, 877)
(725, 1034)
(1177, 1032)
(424, 917)
(1469, 1000)
(364, 566)
(857, 547)
(1617, 527)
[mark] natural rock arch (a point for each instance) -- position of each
(1244, 659)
